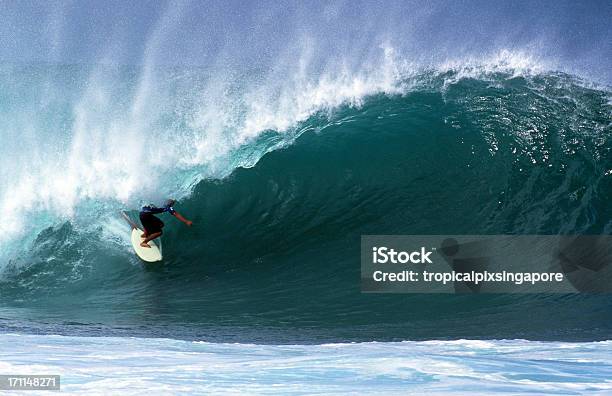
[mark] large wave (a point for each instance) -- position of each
(286, 132)
(281, 191)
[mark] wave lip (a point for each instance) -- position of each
(89, 137)
(132, 365)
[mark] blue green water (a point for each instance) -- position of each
(286, 131)
(273, 255)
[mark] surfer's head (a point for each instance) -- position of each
(170, 202)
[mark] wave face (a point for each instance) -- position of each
(286, 132)
(432, 367)
(280, 199)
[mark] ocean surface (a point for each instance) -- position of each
(283, 158)
(273, 255)
(103, 365)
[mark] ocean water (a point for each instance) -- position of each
(103, 365)
(487, 152)
(285, 136)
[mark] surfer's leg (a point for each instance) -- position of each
(151, 225)
(150, 238)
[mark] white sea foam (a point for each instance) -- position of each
(122, 140)
(137, 366)
(107, 137)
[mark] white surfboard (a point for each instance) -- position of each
(149, 255)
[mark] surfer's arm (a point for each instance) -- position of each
(181, 218)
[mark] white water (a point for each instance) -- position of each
(77, 135)
(80, 142)
(125, 366)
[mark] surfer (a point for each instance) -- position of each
(153, 225)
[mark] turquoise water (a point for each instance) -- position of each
(285, 132)
(280, 200)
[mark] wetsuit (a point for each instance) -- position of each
(148, 219)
